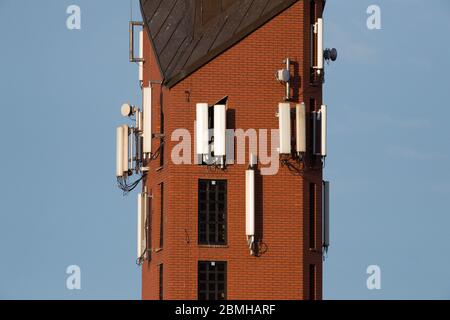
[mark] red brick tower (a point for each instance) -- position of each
(200, 51)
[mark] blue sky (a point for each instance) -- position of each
(60, 95)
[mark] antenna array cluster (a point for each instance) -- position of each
(211, 142)
(134, 142)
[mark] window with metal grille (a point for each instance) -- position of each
(212, 280)
(212, 212)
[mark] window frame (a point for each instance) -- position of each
(205, 294)
(204, 215)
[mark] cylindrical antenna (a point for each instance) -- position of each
(130, 147)
(141, 56)
(141, 207)
(202, 139)
(250, 207)
(284, 118)
(147, 119)
(220, 127)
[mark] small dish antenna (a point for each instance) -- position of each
(330, 54)
(126, 110)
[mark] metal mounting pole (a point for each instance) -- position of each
(288, 83)
(131, 35)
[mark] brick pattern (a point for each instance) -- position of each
(246, 73)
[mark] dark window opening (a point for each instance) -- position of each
(212, 212)
(211, 117)
(162, 139)
(212, 280)
(312, 215)
(161, 226)
(312, 104)
(312, 131)
(312, 282)
(161, 282)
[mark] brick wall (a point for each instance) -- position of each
(246, 73)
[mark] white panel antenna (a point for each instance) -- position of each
(220, 127)
(250, 207)
(147, 119)
(320, 57)
(119, 151)
(140, 215)
(131, 150)
(141, 56)
(284, 117)
(125, 150)
(253, 160)
(142, 210)
(202, 138)
(301, 127)
(140, 121)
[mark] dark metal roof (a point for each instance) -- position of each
(187, 34)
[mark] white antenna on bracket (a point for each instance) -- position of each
(129, 148)
(250, 208)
